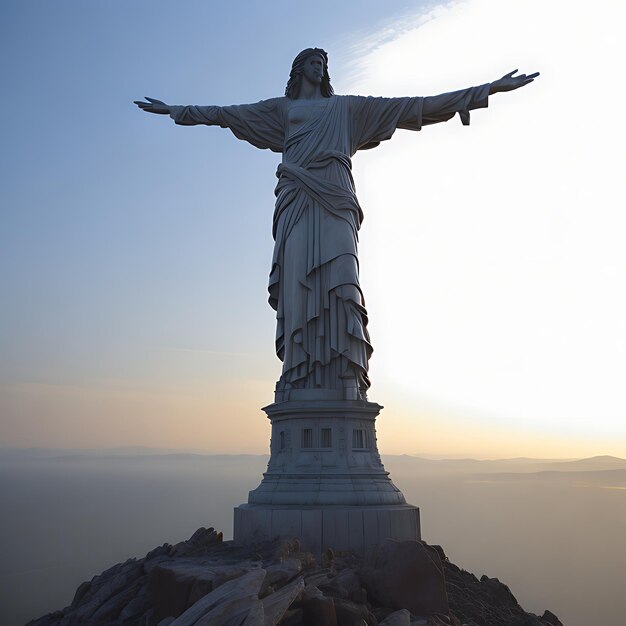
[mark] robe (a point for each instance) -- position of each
(321, 319)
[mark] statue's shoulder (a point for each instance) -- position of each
(275, 103)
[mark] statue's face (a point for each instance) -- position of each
(314, 69)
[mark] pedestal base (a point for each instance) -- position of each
(325, 482)
(354, 528)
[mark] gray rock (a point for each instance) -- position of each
(398, 618)
(276, 605)
(348, 581)
(104, 587)
(353, 614)
(406, 575)
(112, 608)
(317, 610)
(281, 573)
(550, 618)
(256, 616)
(175, 585)
(241, 590)
(136, 607)
(231, 612)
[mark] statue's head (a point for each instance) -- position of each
(298, 68)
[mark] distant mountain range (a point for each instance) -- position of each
(403, 462)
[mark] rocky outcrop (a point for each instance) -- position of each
(208, 582)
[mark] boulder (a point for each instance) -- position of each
(280, 574)
(406, 575)
(233, 613)
(499, 591)
(256, 616)
(353, 614)
(174, 585)
(550, 618)
(276, 604)
(397, 618)
(317, 610)
(234, 596)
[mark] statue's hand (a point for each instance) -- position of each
(509, 82)
(153, 106)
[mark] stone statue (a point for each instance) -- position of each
(321, 329)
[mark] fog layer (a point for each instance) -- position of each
(552, 531)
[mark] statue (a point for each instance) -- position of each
(321, 320)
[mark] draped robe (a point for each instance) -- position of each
(321, 320)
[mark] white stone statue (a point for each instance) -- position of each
(321, 330)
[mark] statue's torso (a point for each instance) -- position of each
(301, 112)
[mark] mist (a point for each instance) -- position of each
(552, 530)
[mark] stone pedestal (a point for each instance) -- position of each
(325, 482)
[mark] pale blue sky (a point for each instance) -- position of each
(135, 253)
(120, 230)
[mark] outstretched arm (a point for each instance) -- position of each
(183, 115)
(445, 105)
(262, 123)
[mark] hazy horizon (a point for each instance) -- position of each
(551, 530)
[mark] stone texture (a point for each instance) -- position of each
(237, 594)
(354, 528)
(550, 618)
(406, 574)
(317, 609)
(333, 491)
(280, 583)
(397, 618)
(276, 604)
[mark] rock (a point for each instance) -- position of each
(353, 614)
(318, 578)
(136, 607)
(398, 618)
(276, 604)
(105, 587)
(111, 609)
(499, 591)
(280, 574)
(232, 613)
(550, 618)
(83, 588)
(317, 610)
(207, 581)
(406, 575)
(168, 593)
(174, 585)
(256, 616)
(346, 584)
(233, 595)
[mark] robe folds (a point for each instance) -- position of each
(321, 320)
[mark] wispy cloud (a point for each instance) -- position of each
(213, 352)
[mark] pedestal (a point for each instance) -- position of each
(325, 481)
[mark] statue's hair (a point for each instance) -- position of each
(297, 67)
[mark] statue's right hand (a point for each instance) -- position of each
(153, 106)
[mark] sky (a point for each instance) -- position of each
(135, 253)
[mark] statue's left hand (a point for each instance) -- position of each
(509, 82)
